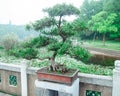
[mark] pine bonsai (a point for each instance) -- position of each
(54, 25)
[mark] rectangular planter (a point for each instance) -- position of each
(66, 78)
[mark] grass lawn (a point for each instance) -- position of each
(99, 44)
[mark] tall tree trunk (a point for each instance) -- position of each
(94, 37)
(104, 39)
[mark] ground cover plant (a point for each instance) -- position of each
(67, 60)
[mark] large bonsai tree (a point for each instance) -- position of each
(54, 25)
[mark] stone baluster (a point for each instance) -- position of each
(116, 79)
(24, 88)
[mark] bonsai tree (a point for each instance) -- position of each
(54, 25)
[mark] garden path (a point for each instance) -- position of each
(4, 94)
(101, 51)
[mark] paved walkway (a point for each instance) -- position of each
(3, 94)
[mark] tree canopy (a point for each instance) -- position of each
(90, 8)
(61, 10)
(112, 6)
(103, 22)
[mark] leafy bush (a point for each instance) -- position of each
(9, 41)
(27, 53)
(79, 53)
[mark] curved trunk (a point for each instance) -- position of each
(52, 61)
(59, 29)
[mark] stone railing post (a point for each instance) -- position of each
(24, 89)
(116, 79)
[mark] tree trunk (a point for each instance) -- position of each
(94, 37)
(104, 39)
(52, 66)
(52, 61)
(59, 29)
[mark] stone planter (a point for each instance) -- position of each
(66, 78)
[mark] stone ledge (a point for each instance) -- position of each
(10, 67)
(85, 78)
(95, 79)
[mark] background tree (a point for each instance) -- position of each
(9, 41)
(113, 6)
(55, 25)
(103, 22)
(90, 8)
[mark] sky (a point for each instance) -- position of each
(24, 11)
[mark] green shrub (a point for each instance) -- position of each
(79, 53)
(28, 53)
(9, 41)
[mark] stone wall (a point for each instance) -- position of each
(98, 83)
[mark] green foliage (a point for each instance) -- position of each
(90, 8)
(54, 46)
(46, 52)
(43, 23)
(67, 30)
(69, 62)
(79, 53)
(84, 68)
(116, 35)
(27, 53)
(64, 48)
(52, 31)
(112, 6)
(38, 42)
(79, 26)
(103, 22)
(61, 10)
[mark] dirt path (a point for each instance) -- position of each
(103, 51)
